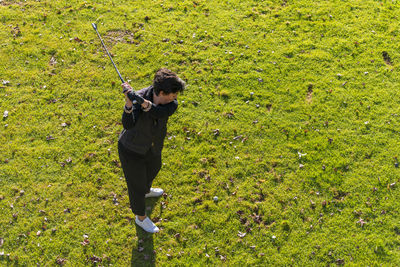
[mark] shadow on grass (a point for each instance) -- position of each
(144, 254)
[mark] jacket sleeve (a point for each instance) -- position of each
(129, 119)
(162, 111)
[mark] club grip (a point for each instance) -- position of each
(135, 97)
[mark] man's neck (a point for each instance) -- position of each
(156, 99)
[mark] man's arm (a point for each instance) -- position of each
(129, 116)
(131, 110)
(162, 111)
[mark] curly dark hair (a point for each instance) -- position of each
(168, 82)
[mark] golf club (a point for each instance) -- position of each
(105, 48)
(131, 95)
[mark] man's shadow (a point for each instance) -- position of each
(143, 254)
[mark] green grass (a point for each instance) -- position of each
(266, 80)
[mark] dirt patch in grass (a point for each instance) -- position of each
(122, 36)
(9, 2)
(387, 58)
(309, 94)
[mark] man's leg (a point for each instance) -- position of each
(153, 166)
(135, 172)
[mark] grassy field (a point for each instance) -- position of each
(291, 118)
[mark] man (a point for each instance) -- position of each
(141, 142)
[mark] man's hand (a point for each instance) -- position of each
(126, 88)
(131, 95)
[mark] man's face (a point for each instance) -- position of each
(166, 98)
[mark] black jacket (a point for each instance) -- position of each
(146, 130)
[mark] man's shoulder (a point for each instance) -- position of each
(147, 91)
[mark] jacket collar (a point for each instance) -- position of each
(147, 93)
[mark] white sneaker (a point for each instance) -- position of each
(147, 225)
(155, 192)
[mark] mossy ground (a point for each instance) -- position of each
(290, 118)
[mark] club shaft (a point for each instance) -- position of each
(105, 48)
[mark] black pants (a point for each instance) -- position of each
(140, 171)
